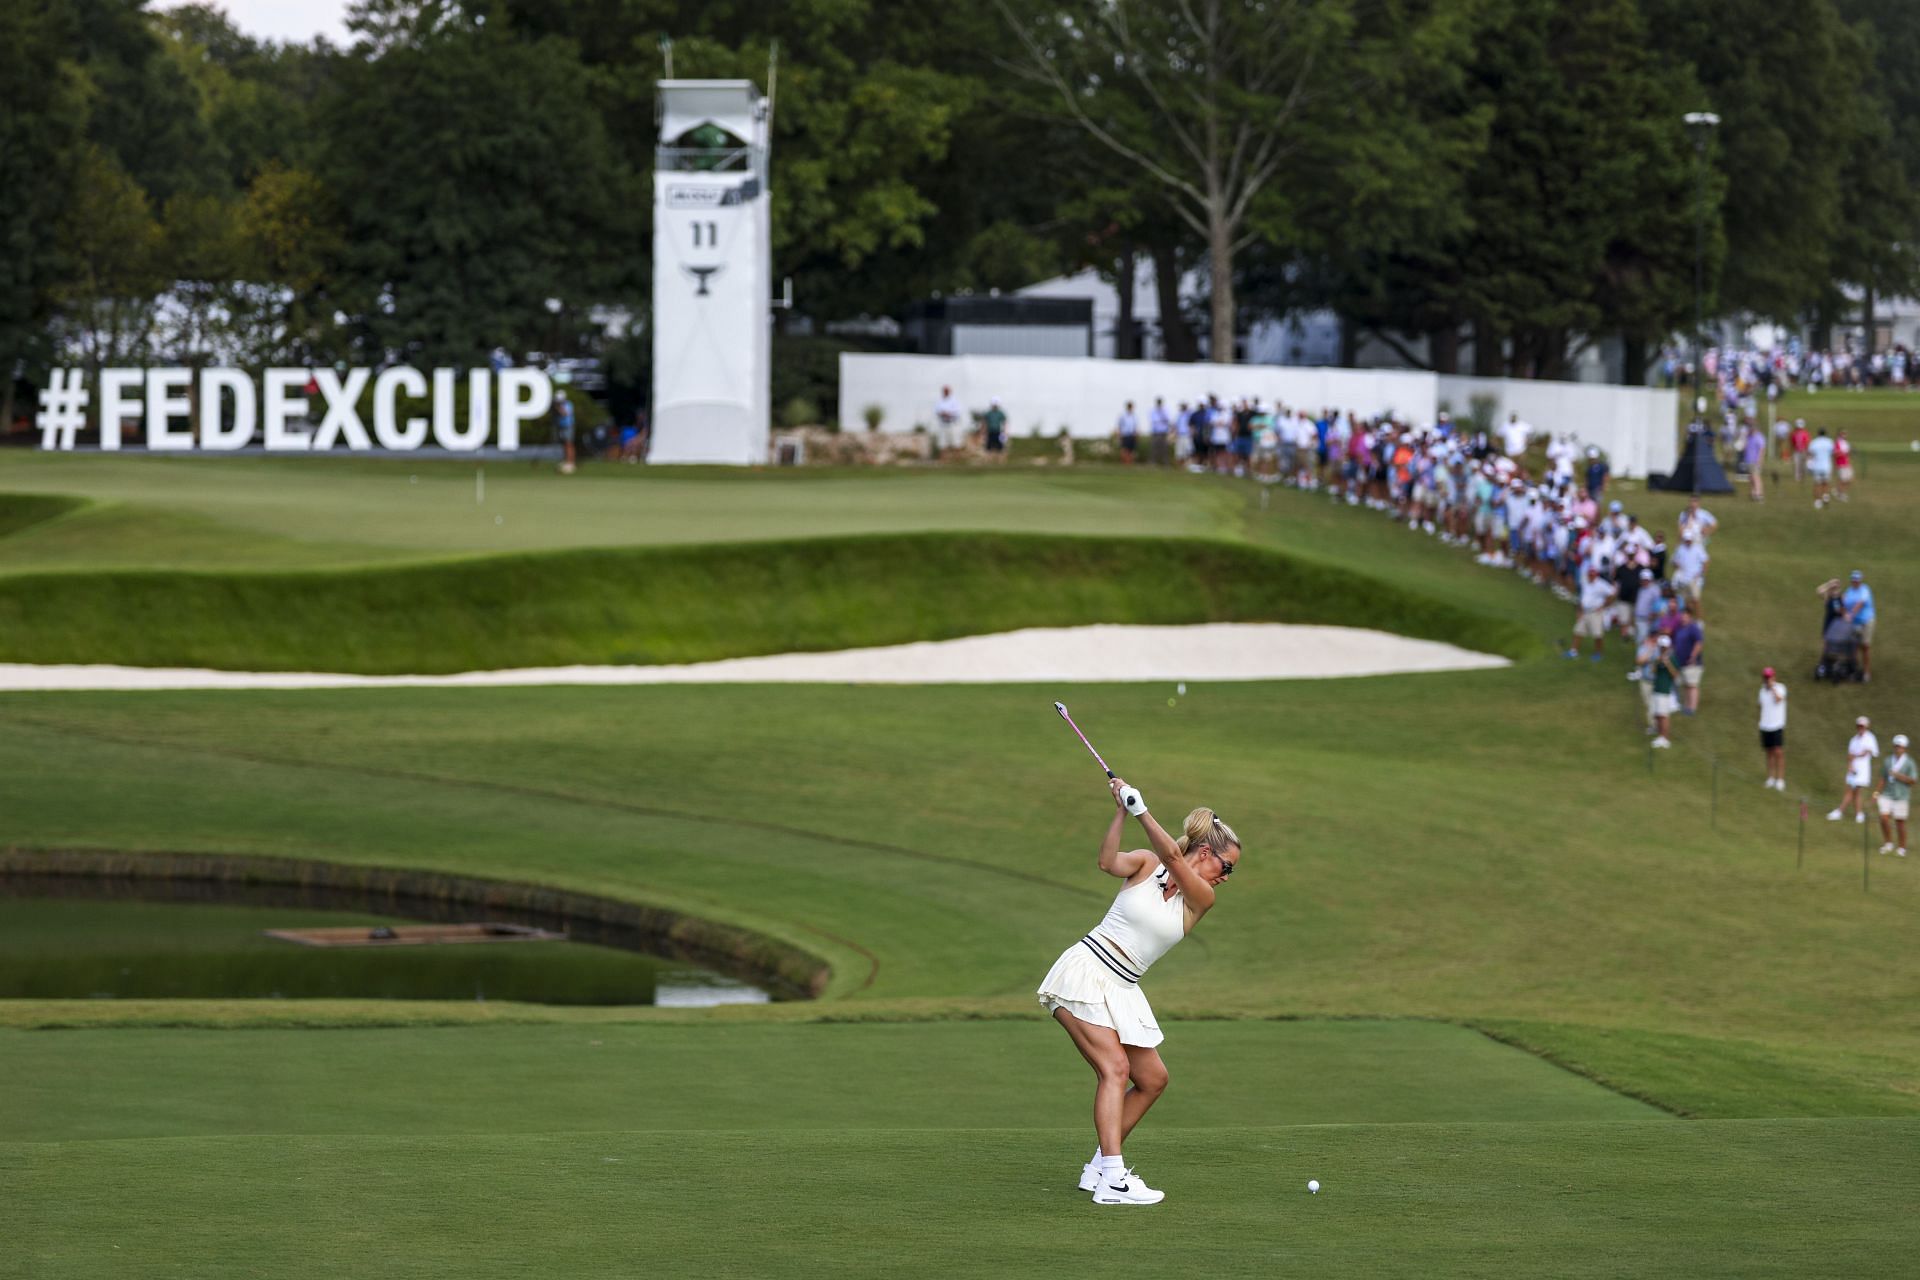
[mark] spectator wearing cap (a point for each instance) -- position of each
(1596, 479)
(1773, 729)
(1690, 567)
(1128, 429)
(1665, 677)
(1689, 653)
(1894, 795)
(1862, 749)
(1657, 555)
(1596, 606)
(1857, 603)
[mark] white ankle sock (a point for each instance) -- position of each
(1112, 1168)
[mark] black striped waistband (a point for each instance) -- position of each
(1114, 961)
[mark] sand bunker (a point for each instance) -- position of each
(1053, 655)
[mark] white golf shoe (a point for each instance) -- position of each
(1128, 1190)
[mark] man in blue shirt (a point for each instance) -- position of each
(1159, 427)
(1596, 474)
(1689, 644)
(1857, 603)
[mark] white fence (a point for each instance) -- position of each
(1635, 426)
(1043, 395)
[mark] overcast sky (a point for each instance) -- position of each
(297, 20)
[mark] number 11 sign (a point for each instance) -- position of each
(712, 274)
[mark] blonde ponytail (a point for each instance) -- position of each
(1204, 828)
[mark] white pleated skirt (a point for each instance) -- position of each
(1088, 990)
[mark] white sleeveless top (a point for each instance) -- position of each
(1144, 924)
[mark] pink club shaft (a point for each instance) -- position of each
(1061, 707)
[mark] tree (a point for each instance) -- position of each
(476, 181)
(1776, 77)
(1576, 216)
(112, 244)
(201, 252)
(42, 123)
(143, 108)
(1214, 100)
(1877, 248)
(292, 242)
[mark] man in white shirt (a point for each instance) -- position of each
(1596, 600)
(1690, 567)
(948, 414)
(1773, 729)
(1862, 749)
(1697, 520)
(1514, 436)
(1820, 468)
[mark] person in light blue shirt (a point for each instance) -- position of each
(1857, 603)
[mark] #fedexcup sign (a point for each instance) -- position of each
(232, 411)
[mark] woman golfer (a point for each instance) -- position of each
(1093, 989)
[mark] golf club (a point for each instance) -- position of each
(1061, 707)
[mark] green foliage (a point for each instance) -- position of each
(42, 117)
(112, 244)
(808, 368)
(475, 179)
(1782, 90)
(799, 412)
(292, 238)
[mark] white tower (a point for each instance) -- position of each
(712, 274)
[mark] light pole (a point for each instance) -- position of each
(1700, 127)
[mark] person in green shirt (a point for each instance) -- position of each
(1895, 794)
(1665, 676)
(996, 425)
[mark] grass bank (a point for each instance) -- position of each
(689, 604)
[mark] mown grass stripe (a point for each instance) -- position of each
(700, 603)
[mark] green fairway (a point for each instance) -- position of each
(1786, 1198)
(1699, 1048)
(90, 1085)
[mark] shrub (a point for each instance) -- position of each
(799, 412)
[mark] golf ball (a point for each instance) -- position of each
(1313, 1186)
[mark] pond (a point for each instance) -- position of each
(114, 947)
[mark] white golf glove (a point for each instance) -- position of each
(1131, 801)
